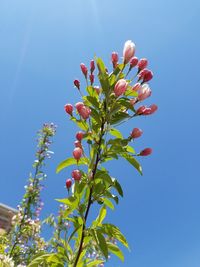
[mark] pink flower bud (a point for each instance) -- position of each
(148, 76)
(136, 133)
(147, 111)
(114, 59)
(142, 73)
(120, 87)
(153, 108)
(77, 153)
(68, 183)
(129, 51)
(77, 144)
(143, 62)
(84, 69)
(79, 105)
(92, 66)
(146, 152)
(77, 84)
(136, 87)
(141, 110)
(91, 79)
(79, 136)
(144, 92)
(85, 112)
(69, 109)
(76, 174)
(133, 62)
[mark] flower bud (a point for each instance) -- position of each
(142, 73)
(84, 112)
(120, 87)
(76, 174)
(136, 132)
(92, 66)
(133, 62)
(77, 144)
(68, 183)
(77, 153)
(129, 51)
(144, 93)
(77, 84)
(114, 59)
(148, 76)
(141, 110)
(91, 79)
(136, 87)
(79, 136)
(69, 109)
(146, 152)
(153, 108)
(79, 105)
(142, 64)
(84, 69)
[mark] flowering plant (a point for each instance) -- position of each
(110, 99)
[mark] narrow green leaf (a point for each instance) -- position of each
(118, 187)
(108, 203)
(101, 242)
(119, 117)
(81, 124)
(116, 133)
(115, 250)
(94, 263)
(70, 161)
(113, 231)
(101, 217)
(132, 161)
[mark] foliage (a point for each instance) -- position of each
(105, 106)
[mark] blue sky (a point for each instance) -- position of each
(42, 44)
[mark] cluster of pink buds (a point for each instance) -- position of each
(82, 110)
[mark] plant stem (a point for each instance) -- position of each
(90, 196)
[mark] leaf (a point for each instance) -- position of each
(132, 161)
(108, 203)
(115, 250)
(71, 202)
(116, 133)
(118, 187)
(92, 100)
(101, 217)
(70, 161)
(101, 242)
(119, 117)
(113, 231)
(94, 263)
(81, 124)
(130, 149)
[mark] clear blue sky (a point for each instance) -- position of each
(41, 46)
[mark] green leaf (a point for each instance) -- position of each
(116, 133)
(130, 149)
(108, 203)
(101, 242)
(92, 100)
(71, 161)
(101, 217)
(132, 161)
(71, 202)
(81, 124)
(119, 117)
(94, 263)
(113, 231)
(115, 250)
(118, 187)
